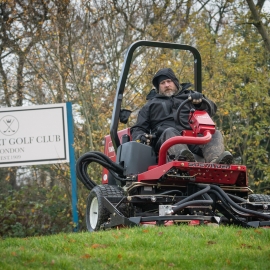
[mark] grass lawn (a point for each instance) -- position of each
(174, 247)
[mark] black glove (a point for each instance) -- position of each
(196, 97)
(146, 138)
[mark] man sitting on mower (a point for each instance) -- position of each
(157, 122)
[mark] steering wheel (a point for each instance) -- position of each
(178, 118)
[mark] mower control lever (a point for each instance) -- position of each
(146, 138)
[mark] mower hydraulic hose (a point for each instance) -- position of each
(191, 197)
(82, 174)
(224, 202)
(100, 158)
(109, 167)
(197, 202)
(236, 206)
(170, 192)
(236, 198)
(229, 208)
(181, 140)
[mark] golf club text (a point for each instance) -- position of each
(30, 140)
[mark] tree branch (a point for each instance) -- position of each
(258, 23)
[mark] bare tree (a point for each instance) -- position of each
(21, 26)
(257, 21)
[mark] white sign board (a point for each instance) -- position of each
(33, 135)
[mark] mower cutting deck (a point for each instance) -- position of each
(140, 188)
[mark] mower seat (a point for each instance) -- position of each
(135, 157)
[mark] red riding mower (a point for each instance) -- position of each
(139, 187)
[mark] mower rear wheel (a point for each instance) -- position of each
(259, 198)
(96, 213)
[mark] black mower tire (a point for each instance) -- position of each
(96, 213)
(259, 198)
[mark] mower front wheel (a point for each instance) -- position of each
(96, 213)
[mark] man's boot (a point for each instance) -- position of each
(225, 158)
(213, 151)
(180, 152)
(186, 155)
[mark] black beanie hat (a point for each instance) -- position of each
(162, 78)
(167, 72)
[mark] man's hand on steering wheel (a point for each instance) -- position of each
(196, 97)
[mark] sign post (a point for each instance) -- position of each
(72, 165)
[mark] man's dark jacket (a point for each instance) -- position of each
(159, 113)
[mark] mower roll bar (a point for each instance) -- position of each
(124, 73)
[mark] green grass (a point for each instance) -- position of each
(175, 247)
